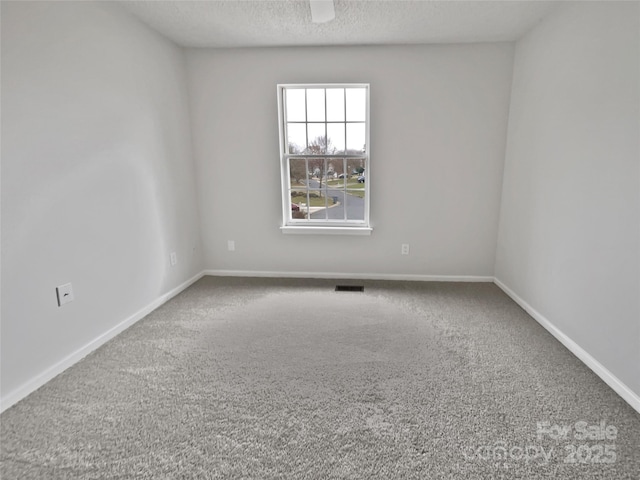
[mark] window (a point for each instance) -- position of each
(324, 158)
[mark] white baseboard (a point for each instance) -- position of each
(619, 387)
(352, 276)
(609, 378)
(39, 380)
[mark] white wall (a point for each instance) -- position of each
(569, 241)
(438, 132)
(97, 178)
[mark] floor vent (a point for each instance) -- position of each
(349, 288)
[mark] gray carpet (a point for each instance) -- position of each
(264, 378)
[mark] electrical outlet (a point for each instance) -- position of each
(405, 249)
(174, 259)
(64, 294)
(231, 245)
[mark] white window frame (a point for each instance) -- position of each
(321, 226)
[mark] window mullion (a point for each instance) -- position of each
(306, 165)
(344, 99)
(306, 122)
(326, 189)
(344, 189)
(326, 133)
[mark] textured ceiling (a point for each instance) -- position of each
(251, 23)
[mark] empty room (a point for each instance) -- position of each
(320, 239)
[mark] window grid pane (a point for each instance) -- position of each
(327, 189)
(355, 105)
(316, 105)
(335, 104)
(313, 132)
(295, 99)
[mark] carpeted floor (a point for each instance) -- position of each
(265, 378)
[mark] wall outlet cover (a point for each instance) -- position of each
(64, 294)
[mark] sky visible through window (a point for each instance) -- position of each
(326, 120)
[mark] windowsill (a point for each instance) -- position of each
(319, 230)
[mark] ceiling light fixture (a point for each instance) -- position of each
(322, 11)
